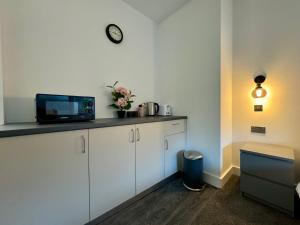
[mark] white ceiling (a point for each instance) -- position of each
(157, 10)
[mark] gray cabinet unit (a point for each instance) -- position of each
(268, 177)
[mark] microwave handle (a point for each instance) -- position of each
(35, 109)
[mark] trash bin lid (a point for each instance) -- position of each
(192, 155)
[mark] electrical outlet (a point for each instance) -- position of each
(258, 130)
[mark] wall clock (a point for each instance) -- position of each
(114, 33)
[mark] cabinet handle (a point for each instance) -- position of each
(175, 124)
(138, 136)
(132, 136)
(166, 144)
(83, 144)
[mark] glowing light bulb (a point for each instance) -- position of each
(259, 92)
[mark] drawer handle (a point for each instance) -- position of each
(175, 124)
(132, 136)
(138, 136)
(83, 144)
(166, 144)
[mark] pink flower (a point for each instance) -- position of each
(127, 97)
(123, 91)
(121, 102)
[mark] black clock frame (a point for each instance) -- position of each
(110, 37)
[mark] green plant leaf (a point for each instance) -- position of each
(115, 83)
(114, 106)
(128, 106)
(117, 95)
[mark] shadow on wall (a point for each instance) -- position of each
(227, 158)
(236, 146)
(22, 109)
(18, 109)
(180, 160)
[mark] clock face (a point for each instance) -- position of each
(114, 33)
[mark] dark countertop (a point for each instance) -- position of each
(21, 129)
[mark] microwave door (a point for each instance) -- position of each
(61, 108)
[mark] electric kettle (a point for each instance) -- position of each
(153, 108)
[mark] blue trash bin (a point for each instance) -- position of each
(193, 171)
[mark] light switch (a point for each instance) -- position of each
(258, 108)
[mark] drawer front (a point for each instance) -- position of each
(281, 171)
(273, 193)
(174, 127)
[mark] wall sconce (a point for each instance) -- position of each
(259, 91)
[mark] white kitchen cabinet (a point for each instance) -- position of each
(149, 155)
(174, 127)
(174, 145)
(112, 167)
(44, 179)
(69, 178)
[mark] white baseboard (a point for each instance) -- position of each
(212, 179)
(236, 170)
(226, 176)
(219, 182)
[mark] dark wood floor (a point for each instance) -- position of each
(174, 205)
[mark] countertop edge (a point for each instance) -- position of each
(24, 129)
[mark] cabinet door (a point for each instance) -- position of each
(174, 144)
(112, 167)
(149, 155)
(44, 179)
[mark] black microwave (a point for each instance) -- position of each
(64, 108)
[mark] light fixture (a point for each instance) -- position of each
(259, 91)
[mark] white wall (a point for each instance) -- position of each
(54, 46)
(266, 39)
(1, 82)
(188, 74)
(226, 84)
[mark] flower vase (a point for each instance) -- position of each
(121, 114)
